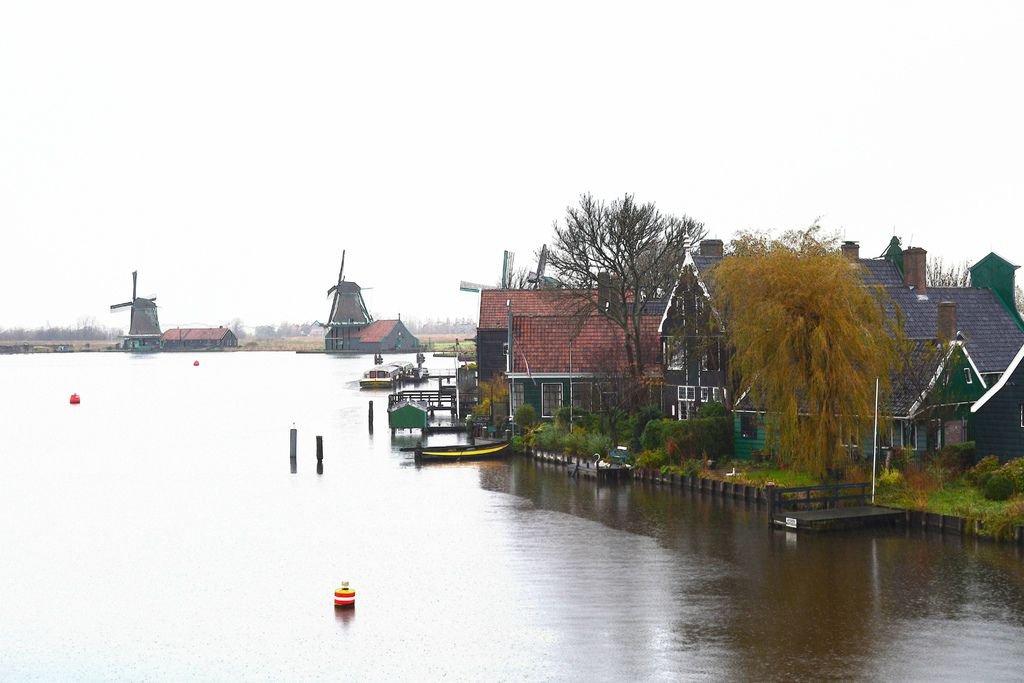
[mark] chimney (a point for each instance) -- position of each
(915, 261)
(947, 321)
(851, 250)
(712, 248)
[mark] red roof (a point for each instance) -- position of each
(494, 308)
(599, 346)
(376, 331)
(195, 334)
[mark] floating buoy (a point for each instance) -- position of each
(344, 596)
(195, 363)
(75, 400)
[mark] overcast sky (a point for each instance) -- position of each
(230, 151)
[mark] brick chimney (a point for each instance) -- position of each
(712, 248)
(851, 250)
(915, 265)
(947, 321)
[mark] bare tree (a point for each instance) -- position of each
(629, 253)
(941, 274)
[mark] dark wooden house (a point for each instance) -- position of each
(999, 414)
(382, 336)
(198, 339)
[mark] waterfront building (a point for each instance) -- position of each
(198, 338)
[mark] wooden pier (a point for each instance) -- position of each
(828, 508)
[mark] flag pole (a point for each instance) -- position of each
(874, 453)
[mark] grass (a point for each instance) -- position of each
(782, 478)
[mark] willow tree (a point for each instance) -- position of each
(809, 340)
(626, 252)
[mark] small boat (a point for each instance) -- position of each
(463, 451)
(382, 376)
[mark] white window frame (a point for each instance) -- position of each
(704, 394)
(518, 396)
(716, 394)
(687, 392)
(967, 376)
(543, 394)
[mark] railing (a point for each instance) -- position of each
(817, 497)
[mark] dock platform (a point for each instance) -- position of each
(835, 519)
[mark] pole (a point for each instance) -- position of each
(874, 453)
(319, 454)
(293, 442)
(371, 417)
(570, 385)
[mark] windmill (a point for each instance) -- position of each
(348, 311)
(144, 328)
(536, 279)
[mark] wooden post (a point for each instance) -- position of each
(319, 454)
(770, 493)
(293, 442)
(371, 417)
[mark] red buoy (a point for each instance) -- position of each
(344, 596)
(75, 400)
(196, 363)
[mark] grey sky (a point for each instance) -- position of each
(230, 151)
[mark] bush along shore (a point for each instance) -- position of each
(947, 491)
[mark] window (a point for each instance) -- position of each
(716, 394)
(703, 394)
(518, 396)
(551, 399)
(748, 426)
(687, 393)
(582, 396)
(967, 375)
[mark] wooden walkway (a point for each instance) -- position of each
(835, 519)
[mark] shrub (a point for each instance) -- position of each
(562, 417)
(898, 459)
(890, 479)
(597, 443)
(711, 409)
(526, 416)
(647, 414)
(575, 443)
(985, 467)
(653, 435)
(998, 487)
(518, 444)
(654, 460)
(1014, 471)
(957, 457)
(693, 467)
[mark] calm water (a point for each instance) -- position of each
(154, 532)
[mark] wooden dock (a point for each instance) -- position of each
(828, 508)
(835, 519)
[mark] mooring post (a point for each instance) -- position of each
(319, 454)
(371, 417)
(293, 441)
(769, 490)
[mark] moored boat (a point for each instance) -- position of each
(461, 452)
(382, 376)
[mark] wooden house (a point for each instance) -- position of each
(559, 359)
(382, 336)
(198, 338)
(963, 340)
(999, 414)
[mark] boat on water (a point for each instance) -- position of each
(384, 376)
(460, 452)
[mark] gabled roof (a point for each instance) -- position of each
(598, 346)
(378, 330)
(1010, 369)
(992, 336)
(196, 334)
(495, 305)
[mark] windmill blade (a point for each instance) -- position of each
(135, 279)
(341, 273)
(126, 304)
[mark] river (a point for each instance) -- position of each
(154, 532)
